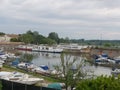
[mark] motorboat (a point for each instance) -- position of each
(42, 69)
(20, 78)
(25, 79)
(27, 66)
(115, 71)
(10, 55)
(117, 59)
(1, 61)
(104, 59)
(3, 57)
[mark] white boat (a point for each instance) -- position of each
(28, 66)
(42, 69)
(20, 78)
(25, 79)
(3, 57)
(104, 59)
(1, 61)
(10, 55)
(116, 71)
(117, 59)
(30, 81)
(49, 49)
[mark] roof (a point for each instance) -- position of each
(12, 35)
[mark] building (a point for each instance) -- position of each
(5, 43)
(7, 37)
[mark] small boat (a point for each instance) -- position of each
(10, 55)
(2, 62)
(117, 59)
(24, 65)
(116, 71)
(42, 69)
(101, 60)
(3, 57)
(104, 59)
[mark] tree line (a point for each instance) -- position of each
(35, 38)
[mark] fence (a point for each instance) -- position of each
(8, 85)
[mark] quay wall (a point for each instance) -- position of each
(111, 52)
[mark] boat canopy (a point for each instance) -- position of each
(44, 67)
(104, 55)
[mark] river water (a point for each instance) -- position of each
(50, 59)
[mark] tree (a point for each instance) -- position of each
(100, 83)
(27, 57)
(54, 36)
(62, 40)
(49, 41)
(35, 33)
(71, 70)
(36, 37)
(14, 40)
(29, 32)
(2, 34)
(67, 40)
(107, 45)
(27, 38)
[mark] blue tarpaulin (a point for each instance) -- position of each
(15, 62)
(56, 86)
(104, 55)
(44, 67)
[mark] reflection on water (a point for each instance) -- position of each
(102, 70)
(50, 59)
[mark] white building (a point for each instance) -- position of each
(7, 37)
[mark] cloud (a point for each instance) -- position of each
(92, 16)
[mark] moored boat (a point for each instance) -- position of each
(49, 49)
(115, 71)
(20, 78)
(104, 59)
(42, 69)
(24, 47)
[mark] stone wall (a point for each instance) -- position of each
(110, 52)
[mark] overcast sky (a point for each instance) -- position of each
(88, 19)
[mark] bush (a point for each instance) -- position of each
(100, 83)
(0, 85)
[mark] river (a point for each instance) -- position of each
(50, 59)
